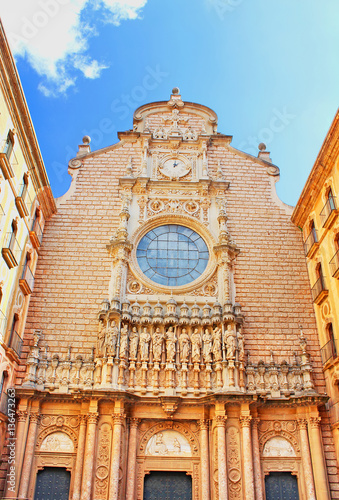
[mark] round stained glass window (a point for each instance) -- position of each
(172, 255)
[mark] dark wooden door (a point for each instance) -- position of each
(281, 486)
(52, 484)
(168, 486)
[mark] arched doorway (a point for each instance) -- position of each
(163, 485)
(53, 482)
(281, 486)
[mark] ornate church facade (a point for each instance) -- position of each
(171, 347)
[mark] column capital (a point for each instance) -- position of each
(220, 420)
(204, 424)
(92, 418)
(118, 418)
(21, 415)
(255, 422)
(83, 419)
(314, 422)
(133, 421)
(34, 417)
(302, 423)
(245, 420)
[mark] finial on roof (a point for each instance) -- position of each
(262, 146)
(86, 139)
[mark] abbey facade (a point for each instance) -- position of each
(171, 348)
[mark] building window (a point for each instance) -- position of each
(14, 340)
(311, 240)
(9, 144)
(11, 249)
(334, 262)
(3, 394)
(26, 282)
(329, 211)
(329, 350)
(36, 231)
(319, 290)
(172, 255)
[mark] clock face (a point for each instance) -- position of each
(174, 168)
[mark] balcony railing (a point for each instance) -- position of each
(11, 250)
(311, 242)
(23, 201)
(328, 212)
(26, 281)
(4, 403)
(319, 291)
(328, 351)
(36, 234)
(15, 342)
(334, 265)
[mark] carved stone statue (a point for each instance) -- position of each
(196, 345)
(207, 349)
(241, 347)
(158, 338)
(170, 344)
(111, 339)
(133, 343)
(217, 348)
(101, 349)
(184, 346)
(124, 342)
(145, 339)
(230, 342)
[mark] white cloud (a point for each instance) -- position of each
(54, 36)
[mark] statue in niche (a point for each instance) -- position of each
(133, 343)
(158, 338)
(230, 342)
(124, 342)
(207, 349)
(241, 347)
(217, 348)
(101, 349)
(145, 339)
(184, 346)
(112, 339)
(196, 345)
(170, 344)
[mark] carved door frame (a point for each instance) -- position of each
(48, 459)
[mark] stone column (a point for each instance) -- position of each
(306, 459)
(21, 417)
(245, 422)
(318, 461)
(205, 460)
(118, 419)
(131, 460)
(29, 454)
(87, 473)
(80, 458)
(259, 495)
(220, 422)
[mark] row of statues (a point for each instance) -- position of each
(209, 343)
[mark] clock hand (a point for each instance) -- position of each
(175, 164)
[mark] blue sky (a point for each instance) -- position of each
(268, 68)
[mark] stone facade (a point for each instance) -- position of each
(218, 376)
(317, 213)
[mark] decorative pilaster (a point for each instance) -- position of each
(205, 461)
(131, 460)
(87, 475)
(118, 420)
(245, 422)
(256, 460)
(318, 461)
(306, 459)
(80, 458)
(29, 453)
(220, 422)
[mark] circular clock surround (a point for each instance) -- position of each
(172, 255)
(175, 167)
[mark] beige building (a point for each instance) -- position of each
(317, 214)
(171, 342)
(26, 202)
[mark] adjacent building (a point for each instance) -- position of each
(26, 202)
(171, 343)
(317, 215)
